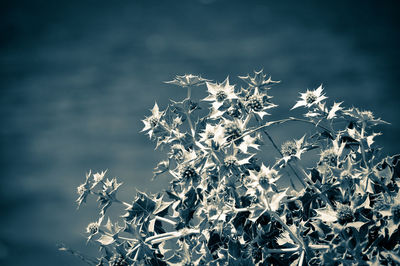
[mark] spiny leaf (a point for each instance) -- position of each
(141, 208)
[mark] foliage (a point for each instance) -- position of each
(224, 204)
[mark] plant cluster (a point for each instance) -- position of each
(225, 205)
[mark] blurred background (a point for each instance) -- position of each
(77, 77)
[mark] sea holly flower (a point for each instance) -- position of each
(97, 178)
(151, 122)
(110, 186)
(213, 134)
(187, 80)
(259, 80)
(219, 93)
(83, 190)
(233, 163)
(293, 149)
(258, 103)
(213, 208)
(363, 117)
(330, 156)
(233, 129)
(345, 215)
(310, 98)
(93, 228)
(263, 180)
(108, 194)
(392, 210)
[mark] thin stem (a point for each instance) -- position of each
(189, 92)
(171, 235)
(137, 254)
(123, 203)
(166, 220)
(128, 239)
(319, 246)
(277, 122)
(301, 260)
(188, 115)
(247, 120)
(135, 248)
(283, 250)
(160, 236)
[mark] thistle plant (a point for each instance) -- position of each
(226, 204)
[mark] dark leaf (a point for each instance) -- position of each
(141, 208)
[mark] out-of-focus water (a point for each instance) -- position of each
(77, 77)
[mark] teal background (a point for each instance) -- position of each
(77, 77)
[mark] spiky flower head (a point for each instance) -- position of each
(395, 209)
(259, 80)
(258, 103)
(187, 80)
(329, 157)
(363, 117)
(83, 190)
(188, 172)
(345, 214)
(267, 176)
(219, 92)
(151, 122)
(92, 228)
(230, 161)
(97, 177)
(289, 148)
(110, 186)
(396, 213)
(233, 129)
(212, 134)
(310, 98)
(264, 179)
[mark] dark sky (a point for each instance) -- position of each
(77, 77)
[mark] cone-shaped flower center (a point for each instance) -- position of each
(311, 97)
(221, 96)
(345, 215)
(255, 103)
(289, 148)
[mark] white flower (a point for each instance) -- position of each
(264, 179)
(258, 104)
(364, 117)
(332, 155)
(310, 98)
(99, 176)
(212, 134)
(259, 80)
(187, 80)
(151, 122)
(218, 93)
(290, 149)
